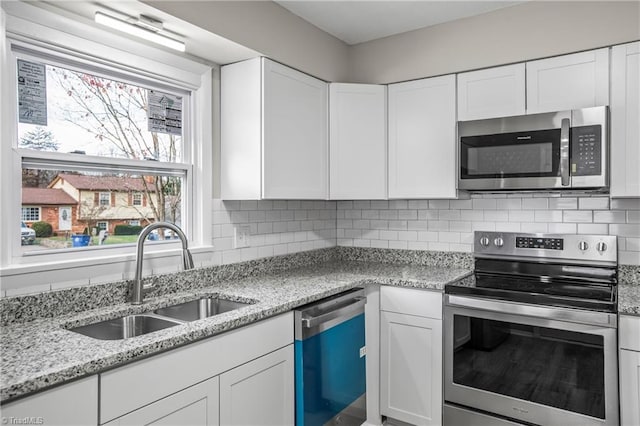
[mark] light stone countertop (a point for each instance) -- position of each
(37, 352)
(629, 290)
(42, 353)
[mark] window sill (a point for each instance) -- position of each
(35, 277)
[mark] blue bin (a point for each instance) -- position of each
(80, 240)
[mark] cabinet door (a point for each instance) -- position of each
(260, 392)
(580, 80)
(241, 130)
(490, 93)
(295, 134)
(629, 387)
(422, 138)
(625, 125)
(72, 404)
(358, 141)
(197, 405)
(411, 368)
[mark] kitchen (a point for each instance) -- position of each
(278, 243)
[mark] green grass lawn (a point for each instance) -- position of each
(111, 239)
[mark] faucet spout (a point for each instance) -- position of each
(137, 294)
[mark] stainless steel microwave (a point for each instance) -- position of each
(549, 151)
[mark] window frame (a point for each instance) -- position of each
(60, 37)
(38, 208)
(138, 196)
(104, 201)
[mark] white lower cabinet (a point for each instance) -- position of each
(247, 372)
(629, 388)
(629, 364)
(260, 392)
(75, 403)
(411, 355)
(196, 405)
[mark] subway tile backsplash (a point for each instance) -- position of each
(448, 225)
(284, 227)
(276, 227)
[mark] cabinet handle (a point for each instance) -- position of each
(564, 151)
(342, 312)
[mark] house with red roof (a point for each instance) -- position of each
(107, 201)
(73, 202)
(50, 205)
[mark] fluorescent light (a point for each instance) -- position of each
(137, 31)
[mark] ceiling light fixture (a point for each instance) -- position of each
(144, 27)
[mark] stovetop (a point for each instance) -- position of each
(576, 271)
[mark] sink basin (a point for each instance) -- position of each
(200, 308)
(124, 327)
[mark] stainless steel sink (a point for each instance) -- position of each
(137, 325)
(200, 308)
(124, 327)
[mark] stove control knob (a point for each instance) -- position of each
(582, 245)
(601, 247)
(499, 242)
(484, 241)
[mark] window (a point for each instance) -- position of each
(102, 226)
(114, 148)
(31, 214)
(134, 223)
(42, 138)
(104, 199)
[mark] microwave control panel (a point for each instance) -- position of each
(586, 150)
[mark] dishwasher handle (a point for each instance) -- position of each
(344, 311)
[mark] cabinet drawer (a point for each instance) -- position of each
(127, 388)
(629, 332)
(424, 303)
(74, 403)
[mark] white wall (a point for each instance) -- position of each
(448, 225)
(531, 30)
(267, 27)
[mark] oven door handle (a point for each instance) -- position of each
(564, 151)
(602, 319)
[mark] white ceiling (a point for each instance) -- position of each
(355, 21)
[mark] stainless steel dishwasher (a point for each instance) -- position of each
(330, 361)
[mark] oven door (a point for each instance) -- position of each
(525, 152)
(537, 364)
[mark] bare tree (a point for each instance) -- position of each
(39, 139)
(116, 113)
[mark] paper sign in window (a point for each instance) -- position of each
(32, 93)
(164, 113)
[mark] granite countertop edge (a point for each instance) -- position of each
(41, 354)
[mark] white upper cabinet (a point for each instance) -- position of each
(625, 124)
(579, 80)
(422, 138)
(295, 129)
(274, 131)
(358, 141)
(492, 92)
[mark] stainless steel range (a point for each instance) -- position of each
(533, 339)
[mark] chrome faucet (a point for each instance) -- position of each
(137, 294)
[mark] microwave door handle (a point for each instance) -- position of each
(564, 151)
